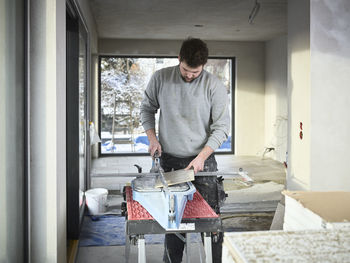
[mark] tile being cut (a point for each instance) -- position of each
(177, 177)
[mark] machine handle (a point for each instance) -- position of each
(156, 154)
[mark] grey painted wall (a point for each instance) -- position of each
(48, 131)
(276, 106)
(250, 81)
(11, 131)
(84, 7)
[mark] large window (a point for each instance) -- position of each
(122, 84)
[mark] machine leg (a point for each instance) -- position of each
(141, 249)
(201, 252)
(187, 243)
(207, 247)
(127, 248)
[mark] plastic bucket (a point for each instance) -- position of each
(96, 200)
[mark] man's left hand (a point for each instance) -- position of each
(197, 164)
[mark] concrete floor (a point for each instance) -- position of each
(116, 254)
(269, 181)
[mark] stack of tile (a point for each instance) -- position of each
(316, 210)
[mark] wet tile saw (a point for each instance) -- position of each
(164, 195)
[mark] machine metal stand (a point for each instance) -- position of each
(141, 249)
(207, 247)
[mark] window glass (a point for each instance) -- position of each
(123, 81)
(82, 111)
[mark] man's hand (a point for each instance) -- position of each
(154, 144)
(198, 162)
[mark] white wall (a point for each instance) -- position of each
(318, 81)
(48, 131)
(276, 97)
(298, 176)
(250, 82)
(330, 95)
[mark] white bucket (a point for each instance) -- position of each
(96, 200)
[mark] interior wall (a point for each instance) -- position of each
(84, 6)
(330, 95)
(48, 238)
(250, 81)
(12, 131)
(298, 175)
(276, 106)
(318, 60)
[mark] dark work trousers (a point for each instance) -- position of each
(211, 188)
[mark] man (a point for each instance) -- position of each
(193, 123)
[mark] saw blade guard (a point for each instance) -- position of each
(166, 207)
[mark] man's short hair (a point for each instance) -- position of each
(194, 52)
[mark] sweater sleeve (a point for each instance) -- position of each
(150, 104)
(220, 119)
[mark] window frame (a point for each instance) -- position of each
(233, 91)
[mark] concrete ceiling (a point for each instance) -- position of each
(225, 20)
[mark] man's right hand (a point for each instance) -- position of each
(154, 144)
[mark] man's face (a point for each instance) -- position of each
(188, 73)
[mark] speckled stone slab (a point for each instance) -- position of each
(309, 246)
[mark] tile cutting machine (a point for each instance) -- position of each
(159, 203)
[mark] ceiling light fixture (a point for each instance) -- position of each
(254, 12)
(198, 25)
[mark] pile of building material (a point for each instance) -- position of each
(316, 228)
(316, 210)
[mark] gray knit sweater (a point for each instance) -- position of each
(192, 114)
